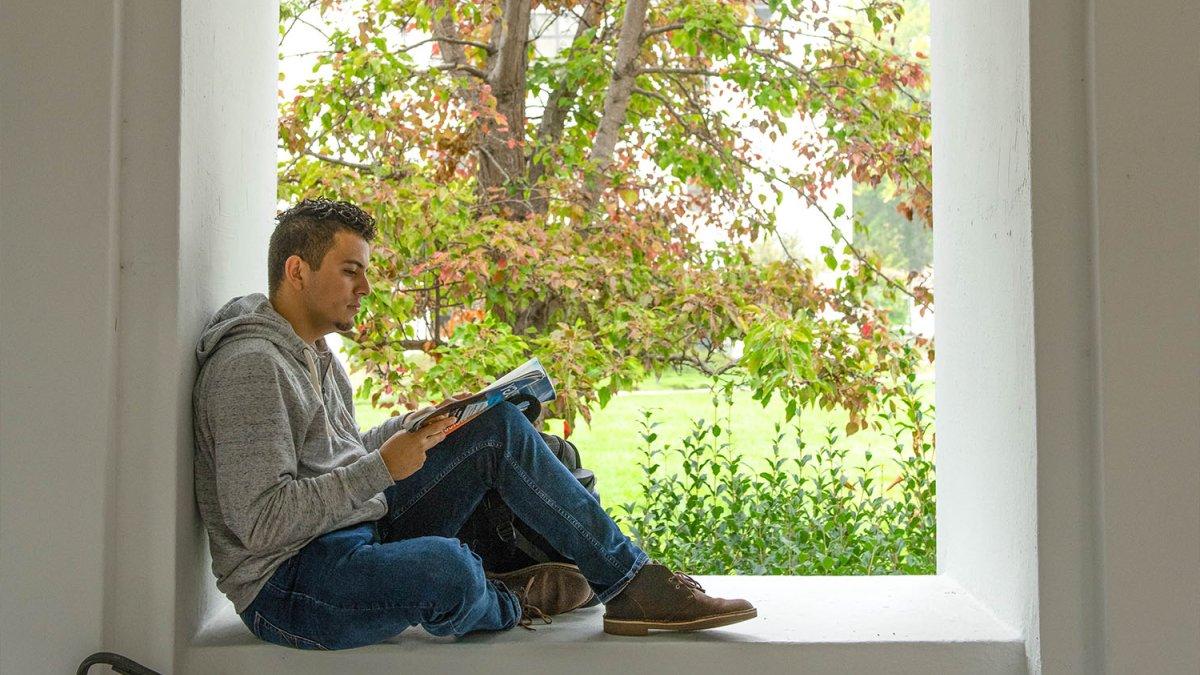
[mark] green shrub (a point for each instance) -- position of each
(809, 513)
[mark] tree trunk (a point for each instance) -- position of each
(501, 177)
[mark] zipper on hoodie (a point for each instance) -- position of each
(331, 429)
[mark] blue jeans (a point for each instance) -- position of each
(368, 582)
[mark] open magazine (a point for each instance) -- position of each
(529, 380)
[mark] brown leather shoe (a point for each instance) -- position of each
(658, 599)
(546, 589)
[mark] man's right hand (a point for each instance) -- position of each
(404, 452)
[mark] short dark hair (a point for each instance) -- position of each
(307, 230)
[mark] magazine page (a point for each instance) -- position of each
(528, 379)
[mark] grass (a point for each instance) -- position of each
(611, 445)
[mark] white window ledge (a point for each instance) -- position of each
(918, 624)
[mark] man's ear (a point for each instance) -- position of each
(295, 272)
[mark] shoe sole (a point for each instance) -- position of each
(624, 627)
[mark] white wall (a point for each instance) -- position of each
(984, 325)
(128, 220)
(1116, 222)
(1146, 130)
(227, 211)
(1068, 263)
(58, 250)
(1067, 628)
(141, 547)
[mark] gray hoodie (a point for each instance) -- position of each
(279, 458)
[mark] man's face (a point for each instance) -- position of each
(337, 286)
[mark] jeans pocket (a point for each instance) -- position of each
(269, 632)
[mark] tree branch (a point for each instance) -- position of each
(463, 68)
(554, 115)
(301, 19)
(407, 344)
(702, 366)
(318, 51)
(495, 162)
(369, 168)
(295, 19)
(427, 289)
(446, 33)
(449, 40)
(616, 99)
(661, 29)
(500, 139)
(467, 43)
(678, 71)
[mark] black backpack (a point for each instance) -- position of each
(499, 537)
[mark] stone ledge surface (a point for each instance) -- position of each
(805, 624)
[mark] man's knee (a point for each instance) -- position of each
(456, 571)
(506, 416)
(498, 421)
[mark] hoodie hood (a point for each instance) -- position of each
(252, 316)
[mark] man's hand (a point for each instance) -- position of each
(404, 452)
(456, 397)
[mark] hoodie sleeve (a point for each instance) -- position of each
(255, 462)
(374, 438)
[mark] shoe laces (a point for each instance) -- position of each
(679, 580)
(529, 611)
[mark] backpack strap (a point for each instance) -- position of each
(499, 516)
(529, 406)
(528, 548)
(501, 519)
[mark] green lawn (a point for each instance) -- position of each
(611, 445)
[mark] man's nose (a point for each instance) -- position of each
(364, 287)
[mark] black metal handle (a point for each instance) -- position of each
(121, 664)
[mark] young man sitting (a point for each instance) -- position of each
(325, 537)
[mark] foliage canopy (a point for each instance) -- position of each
(538, 201)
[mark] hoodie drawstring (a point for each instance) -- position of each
(315, 379)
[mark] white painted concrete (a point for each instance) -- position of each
(133, 209)
(1067, 162)
(985, 378)
(227, 189)
(1067, 627)
(827, 624)
(1068, 168)
(1146, 214)
(58, 252)
(150, 411)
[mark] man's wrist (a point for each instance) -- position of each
(387, 463)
